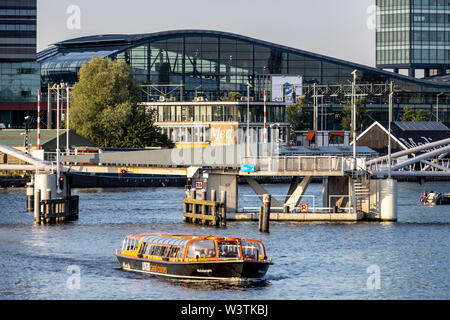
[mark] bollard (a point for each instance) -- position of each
(265, 213)
(204, 208)
(193, 207)
(30, 197)
(260, 218)
(214, 211)
(223, 209)
(37, 206)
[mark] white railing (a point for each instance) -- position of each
(304, 163)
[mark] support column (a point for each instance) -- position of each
(227, 183)
(261, 191)
(388, 198)
(336, 192)
(297, 195)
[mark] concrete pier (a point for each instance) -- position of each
(298, 217)
(51, 206)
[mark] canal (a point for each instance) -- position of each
(404, 260)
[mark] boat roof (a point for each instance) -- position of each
(175, 239)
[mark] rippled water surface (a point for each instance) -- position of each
(312, 260)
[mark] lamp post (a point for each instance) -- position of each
(248, 119)
(196, 90)
(437, 105)
(354, 134)
(354, 117)
(58, 172)
(67, 123)
(391, 95)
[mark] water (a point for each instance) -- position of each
(410, 258)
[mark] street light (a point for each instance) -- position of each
(354, 133)
(248, 118)
(437, 105)
(391, 96)
(354, 117)
(196, 90)
(67, 125)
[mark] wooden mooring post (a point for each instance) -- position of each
(202, 211)
(58, 210)
(264, 214)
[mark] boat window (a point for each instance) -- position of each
(130, 244)
(228, 249)
(165, 251)
(201, 249)
(155, 250)
(144, 248)
(175, 252)
(252, 249)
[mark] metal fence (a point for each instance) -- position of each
(303, 163)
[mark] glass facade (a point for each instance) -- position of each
(19, 81)
(17, 30)
(213, 64)
(19, 71)
(413, 34)
(184, 64)
(217, 112)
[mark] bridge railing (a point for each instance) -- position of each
(304, 163)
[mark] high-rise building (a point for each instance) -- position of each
(413, 35)
(19, 71)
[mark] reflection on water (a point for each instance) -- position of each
(311, 260)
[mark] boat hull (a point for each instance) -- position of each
(201, 270)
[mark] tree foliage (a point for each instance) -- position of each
(105, 107)
(299, 116)
(410, 115)
(232, 96)
(362, 115)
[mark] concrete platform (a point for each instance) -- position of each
(297, 217)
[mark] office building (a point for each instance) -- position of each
(19, 71)
(413, 35)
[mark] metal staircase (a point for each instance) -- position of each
(362, 191)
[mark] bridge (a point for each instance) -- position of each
(369, 192)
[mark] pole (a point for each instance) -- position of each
(391, 94)
(67, 125)
(354, 118)
(58, 172)
(437, 106)
(248, 119)
(354, 135)
(39, 120)
(49, 108)
(265, 117)
(314, 110)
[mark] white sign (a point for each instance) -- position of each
(287, 84)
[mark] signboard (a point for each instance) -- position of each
(198, 184)
(248, 168)
(223, 134)
(283, 88)
(303, 208)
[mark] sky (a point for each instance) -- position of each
(342, 29)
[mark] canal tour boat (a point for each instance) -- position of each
(193, 256)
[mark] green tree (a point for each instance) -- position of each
(232, 96)
(408, 114)
(299, 116)
(105, 106)
(422, 115)
(142, 133)
(362, 115)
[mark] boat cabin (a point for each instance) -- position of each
(185, 248)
